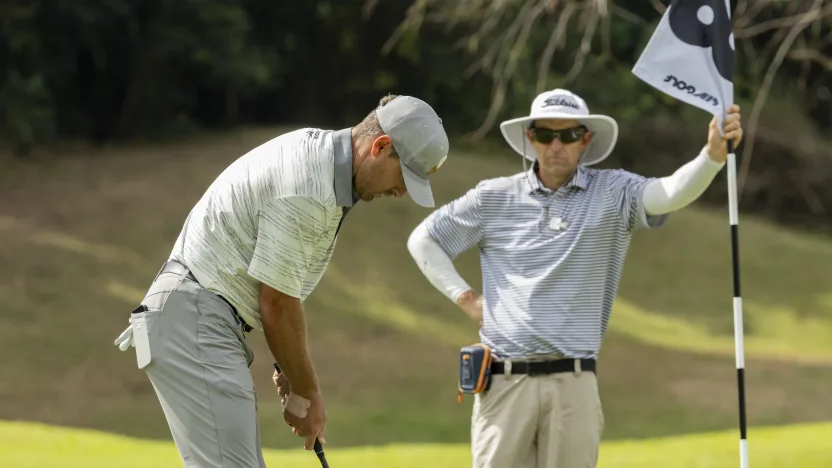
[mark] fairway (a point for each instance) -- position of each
(384, 341)
(800, 446)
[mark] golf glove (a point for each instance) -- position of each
(125, 340)
(296, 404)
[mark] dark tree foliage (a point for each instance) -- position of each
(110, 70)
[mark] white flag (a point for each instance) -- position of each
(691, 55)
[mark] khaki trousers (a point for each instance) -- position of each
(543, 421)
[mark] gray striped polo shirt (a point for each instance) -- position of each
(551, 260)
(271, 217)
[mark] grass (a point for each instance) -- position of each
(787, 302)
(82, 235)
(782, 334)
(21, 446)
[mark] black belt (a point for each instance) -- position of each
(181, 270)
(543, 367)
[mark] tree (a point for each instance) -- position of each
(525, 46)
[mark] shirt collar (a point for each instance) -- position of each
(344, 191)
(577, 182)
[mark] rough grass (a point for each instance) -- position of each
(83, 232)
(22, 446)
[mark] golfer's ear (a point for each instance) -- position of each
(379, 144)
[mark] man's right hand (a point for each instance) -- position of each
(310, 425)
(471, 303)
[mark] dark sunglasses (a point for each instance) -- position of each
(566, 136)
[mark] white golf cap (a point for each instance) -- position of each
(420, 141)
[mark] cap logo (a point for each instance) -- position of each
(436, 167)
(560, 101)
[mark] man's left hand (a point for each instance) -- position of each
(471, 303)
(281, 383)
(732, 126)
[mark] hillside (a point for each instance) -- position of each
(83, 232)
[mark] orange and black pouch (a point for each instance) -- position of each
(474, 369)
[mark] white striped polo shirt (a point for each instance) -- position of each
(551, 260)
(272, 217)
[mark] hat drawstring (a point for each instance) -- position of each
(526, 171)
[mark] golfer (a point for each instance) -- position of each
(250, 252)
(552, 242)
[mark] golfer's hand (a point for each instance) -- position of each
(718, 144)
(312, 424)
(281, 383)
(471, 303)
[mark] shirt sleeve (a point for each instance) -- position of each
(435, 264)
(680, 189)
(457, 226)
(627, 195)
(288, 230)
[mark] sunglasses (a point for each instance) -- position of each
(566, 136)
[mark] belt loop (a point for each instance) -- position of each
(507, 368)
(578, 369)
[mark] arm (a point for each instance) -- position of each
(445, 234)
(689, 181)
(435, 264)
(646, 201)
(284, 327)
(678, 190)
(288, 229)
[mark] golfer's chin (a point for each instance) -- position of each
(557, 166)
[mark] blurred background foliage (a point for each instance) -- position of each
(115, 71)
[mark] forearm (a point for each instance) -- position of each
(435, 264)
(676, 191)
(284, 327)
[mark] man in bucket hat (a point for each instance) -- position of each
(250, 252)
(552, 242)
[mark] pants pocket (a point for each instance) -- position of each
(222, 348)
(146, 334)
(159, 292)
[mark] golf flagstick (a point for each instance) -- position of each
(739, 344)
(319, 449)
(690, 56)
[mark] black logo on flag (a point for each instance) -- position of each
(682, 86)
(705, 23)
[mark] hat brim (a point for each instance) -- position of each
(418, 187)
(604, 135)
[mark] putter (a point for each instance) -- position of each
(319, 449)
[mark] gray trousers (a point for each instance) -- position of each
(199, 368)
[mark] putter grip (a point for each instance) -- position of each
(319, 449)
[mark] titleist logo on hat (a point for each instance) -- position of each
(561, 101)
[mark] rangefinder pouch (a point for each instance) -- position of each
(474, 369)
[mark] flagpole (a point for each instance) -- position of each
(739, 345)
(690, 56)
